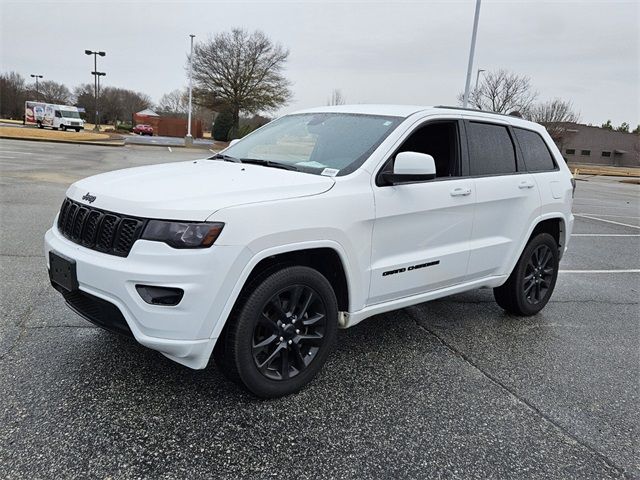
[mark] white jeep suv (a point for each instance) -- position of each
(315, 221)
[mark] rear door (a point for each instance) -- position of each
(507, 198)
(421, 234)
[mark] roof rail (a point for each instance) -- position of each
(515, 113)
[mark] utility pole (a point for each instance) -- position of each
(471, 54)
(37, 91)
(96, 74)
(188, 140)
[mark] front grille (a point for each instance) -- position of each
(96, 310)
(99, 230)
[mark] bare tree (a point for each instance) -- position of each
(336, 98)
(555, 115)
(52, 92)
(175, 102)
(502, 92)
(240, 71)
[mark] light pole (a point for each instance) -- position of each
(471, 53)
(95, 80)
(478, 77)
(98, 75)
(188, 140)
(37, 91)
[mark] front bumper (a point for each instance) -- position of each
(183, 332)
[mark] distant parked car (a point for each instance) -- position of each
(143, 129)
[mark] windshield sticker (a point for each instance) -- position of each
(387, 123)
(330, 172)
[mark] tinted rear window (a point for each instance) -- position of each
(534, 150)
(491, 150)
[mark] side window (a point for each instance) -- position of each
(535, 152)
(438, 139)
(491, 150)
(58, 115)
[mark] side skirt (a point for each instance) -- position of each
(346, 319)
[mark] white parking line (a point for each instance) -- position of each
(605, 235)
(170, 149)
(631, 270)
(606, 221)
(19, 153)
(608, 215)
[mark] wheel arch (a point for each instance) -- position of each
(328, 257)
(554, 226)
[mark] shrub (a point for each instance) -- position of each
(222, 126)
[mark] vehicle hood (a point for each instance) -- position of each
(192, 190)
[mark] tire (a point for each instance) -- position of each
(40, 125)
(77, 130)
(63, 128)
(530, 285)
(281, 332)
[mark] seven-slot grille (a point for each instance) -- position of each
(99, 230)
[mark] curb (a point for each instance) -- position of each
(113, 143)
(198, 147)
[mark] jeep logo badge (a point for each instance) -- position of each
(89, 198)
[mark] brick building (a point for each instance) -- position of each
(584, 144)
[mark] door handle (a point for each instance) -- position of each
(526, 184)
(460, 192)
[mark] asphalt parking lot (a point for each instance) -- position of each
(454, 388)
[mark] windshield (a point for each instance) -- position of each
(70, 114)
(313, 142)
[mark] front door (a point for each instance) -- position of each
(422, 230)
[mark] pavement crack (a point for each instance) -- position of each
(513, 393)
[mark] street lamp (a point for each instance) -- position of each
(471, 53)
(95, 74)
(37, 91)
(188, 140)
(98, 75)
(478, 77)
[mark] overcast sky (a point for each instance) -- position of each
(373, 51)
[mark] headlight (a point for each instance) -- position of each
(183, 234)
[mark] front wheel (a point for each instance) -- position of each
(533, 279)
(63, 128)
(282, 332)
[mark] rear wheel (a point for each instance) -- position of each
(282, 333)
(533, 279)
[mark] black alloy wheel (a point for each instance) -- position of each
(531, 283)
(280, 333)
(289, 332)
(538, 275)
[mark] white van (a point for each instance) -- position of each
(61, 117)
